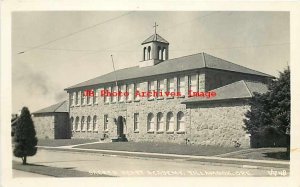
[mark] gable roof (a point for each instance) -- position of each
(191, 62)
(238, 90)
(155, 38)
(56, 108)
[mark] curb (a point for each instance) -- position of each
(206, 160)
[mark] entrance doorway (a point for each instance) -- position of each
(120, 129)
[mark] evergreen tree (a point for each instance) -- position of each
(25, 140)
(270, 112)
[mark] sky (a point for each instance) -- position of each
(54, 50)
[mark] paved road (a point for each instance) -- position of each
(18, 173)
(128, 166)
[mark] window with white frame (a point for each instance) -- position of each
(170, 122)
(82, 98)
(78, 95)
(123, 90)
(160, 122)
(136, 88)
(170, 85)
(150, 122)
(180, 122)
(193, 83)
(136, 122)
(105, 124)
(89, 127)
(114, 97)
(151, 88)
(96, 96)
(77, 126)
(130, 91)
(106, 98)
(88, 98)
(71, 99)
(181, 85)
(82, 126)
(160, 86)
(95, 128)
(72, 124)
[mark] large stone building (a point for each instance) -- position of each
(215, 120)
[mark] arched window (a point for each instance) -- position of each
(95, 124)
(82, 124)
(170, 122)
(163, 54)
(149, 53)
(160, 122)
(77, 124)
(150, 124)
(159, 53)
(145, 54)
(72, 124)
(89, 127)
(180, 121)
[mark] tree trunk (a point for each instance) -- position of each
(24, 160)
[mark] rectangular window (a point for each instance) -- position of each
(96, 96)
(82, 98)
(78, 95)
(129, 90)
(193, 86)
(136, 88)
(114, 97)
(105, 122)
(106, 98)
(123, 90)
(151, 88)
(181, 85)
(72, 96)
(160, 87)
(136, 122)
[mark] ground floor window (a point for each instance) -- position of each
(160, 122)
(170, 122)
(105, 122)
(150, 123)
(180, 122)
(95, 124)
(89, 127)
(77, 127)
(136, 122)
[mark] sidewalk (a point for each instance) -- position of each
(213, 160)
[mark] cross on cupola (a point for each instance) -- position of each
(155, 26)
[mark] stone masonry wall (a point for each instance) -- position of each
(44, 126)
(219, 124)
(62, 126)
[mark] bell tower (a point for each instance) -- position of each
(155, 49)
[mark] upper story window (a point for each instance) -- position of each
(170, 85)
(160, 86)
(130, 90)
(77, 99)
(82, 98)
(106, 98)
(149, 53)
(96, 96)
(136, 88)
(159, 53)
(123, 90)
(145, 54)
(193, 83)
(72, 96)
(181, 85)
(164, 57)
(114, 97)
(151, 88)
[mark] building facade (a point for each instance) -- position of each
(177, 117)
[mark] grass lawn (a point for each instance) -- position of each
(170, 148)
(52, 171)
(63, 142)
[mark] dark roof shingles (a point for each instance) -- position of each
(196, 61)
(58, 107)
